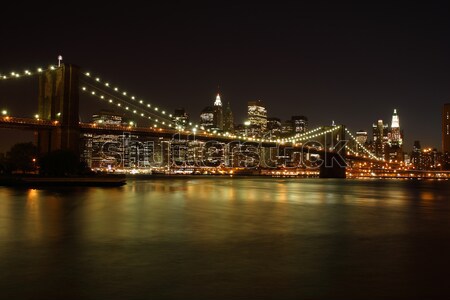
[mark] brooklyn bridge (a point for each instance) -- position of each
(159, 143)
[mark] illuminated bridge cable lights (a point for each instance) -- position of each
(127, 108)
(25, 73)
(371, 155)
(126, 102)
(124, 93)
(144, 104)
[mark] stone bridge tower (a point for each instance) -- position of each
(59, 102)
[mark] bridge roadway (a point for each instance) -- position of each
(40, 124)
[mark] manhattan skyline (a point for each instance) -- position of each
(330, 62)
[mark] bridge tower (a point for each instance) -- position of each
(334, 162)
(59, 102)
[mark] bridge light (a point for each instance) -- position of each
(156, 108)
(4, 112)
(148, 105)
(52, 67)
(39, 70)
(163, 112)
(134, 111)
(58, 114)
(83, 88)
(124, 93)
(97, 79)
(126, 108)
(118, 104)
(93, 92)
(87, 74)
(110, 101)
(36, 116)
(102, 97)
(142, 115)
(132, 98)
(116, 89)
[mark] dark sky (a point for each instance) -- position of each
(351, 63)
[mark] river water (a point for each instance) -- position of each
(228, 238)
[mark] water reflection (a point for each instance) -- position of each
(178, 237)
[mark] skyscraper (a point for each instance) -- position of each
(380, 133)
(228, 120)
(300, 124)
(446, 136)
(274, 127)
(207, 118)
(218, 113)
(395, 136)
(257, 115)
(361, 137)
(394, 149)
(180, 117)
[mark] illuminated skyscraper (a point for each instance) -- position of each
(380, 137)
(394, 149)
(395, 136)
(446, 136)
(207, 118)
(300, 124)
(218, 113)
(257, 116)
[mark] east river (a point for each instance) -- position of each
(228, 238)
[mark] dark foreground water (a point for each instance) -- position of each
(228, 238)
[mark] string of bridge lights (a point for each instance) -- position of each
(362, 147)
(146, 106)
(25, 73)
(127, 107)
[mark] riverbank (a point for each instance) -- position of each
(42, 181)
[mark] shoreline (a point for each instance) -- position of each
(30, 180)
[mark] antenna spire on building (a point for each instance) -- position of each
(60, 58)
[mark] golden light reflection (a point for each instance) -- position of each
(426, 196)
(34, 227)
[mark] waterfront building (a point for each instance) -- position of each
(180, 117)
(287, 128)
(380, 138)
(446, 136)
(257, 116)
(362, 138)
(207, 118)
(228, 120)
(115, 151)
(416, 155)
(274, 127)
(110, 118)
(299, 124)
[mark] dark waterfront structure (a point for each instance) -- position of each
(446, 136)
(228, 119)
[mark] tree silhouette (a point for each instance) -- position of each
(20, 157)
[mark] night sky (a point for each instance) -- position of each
(351, 63)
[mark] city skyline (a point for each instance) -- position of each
(352, 64)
